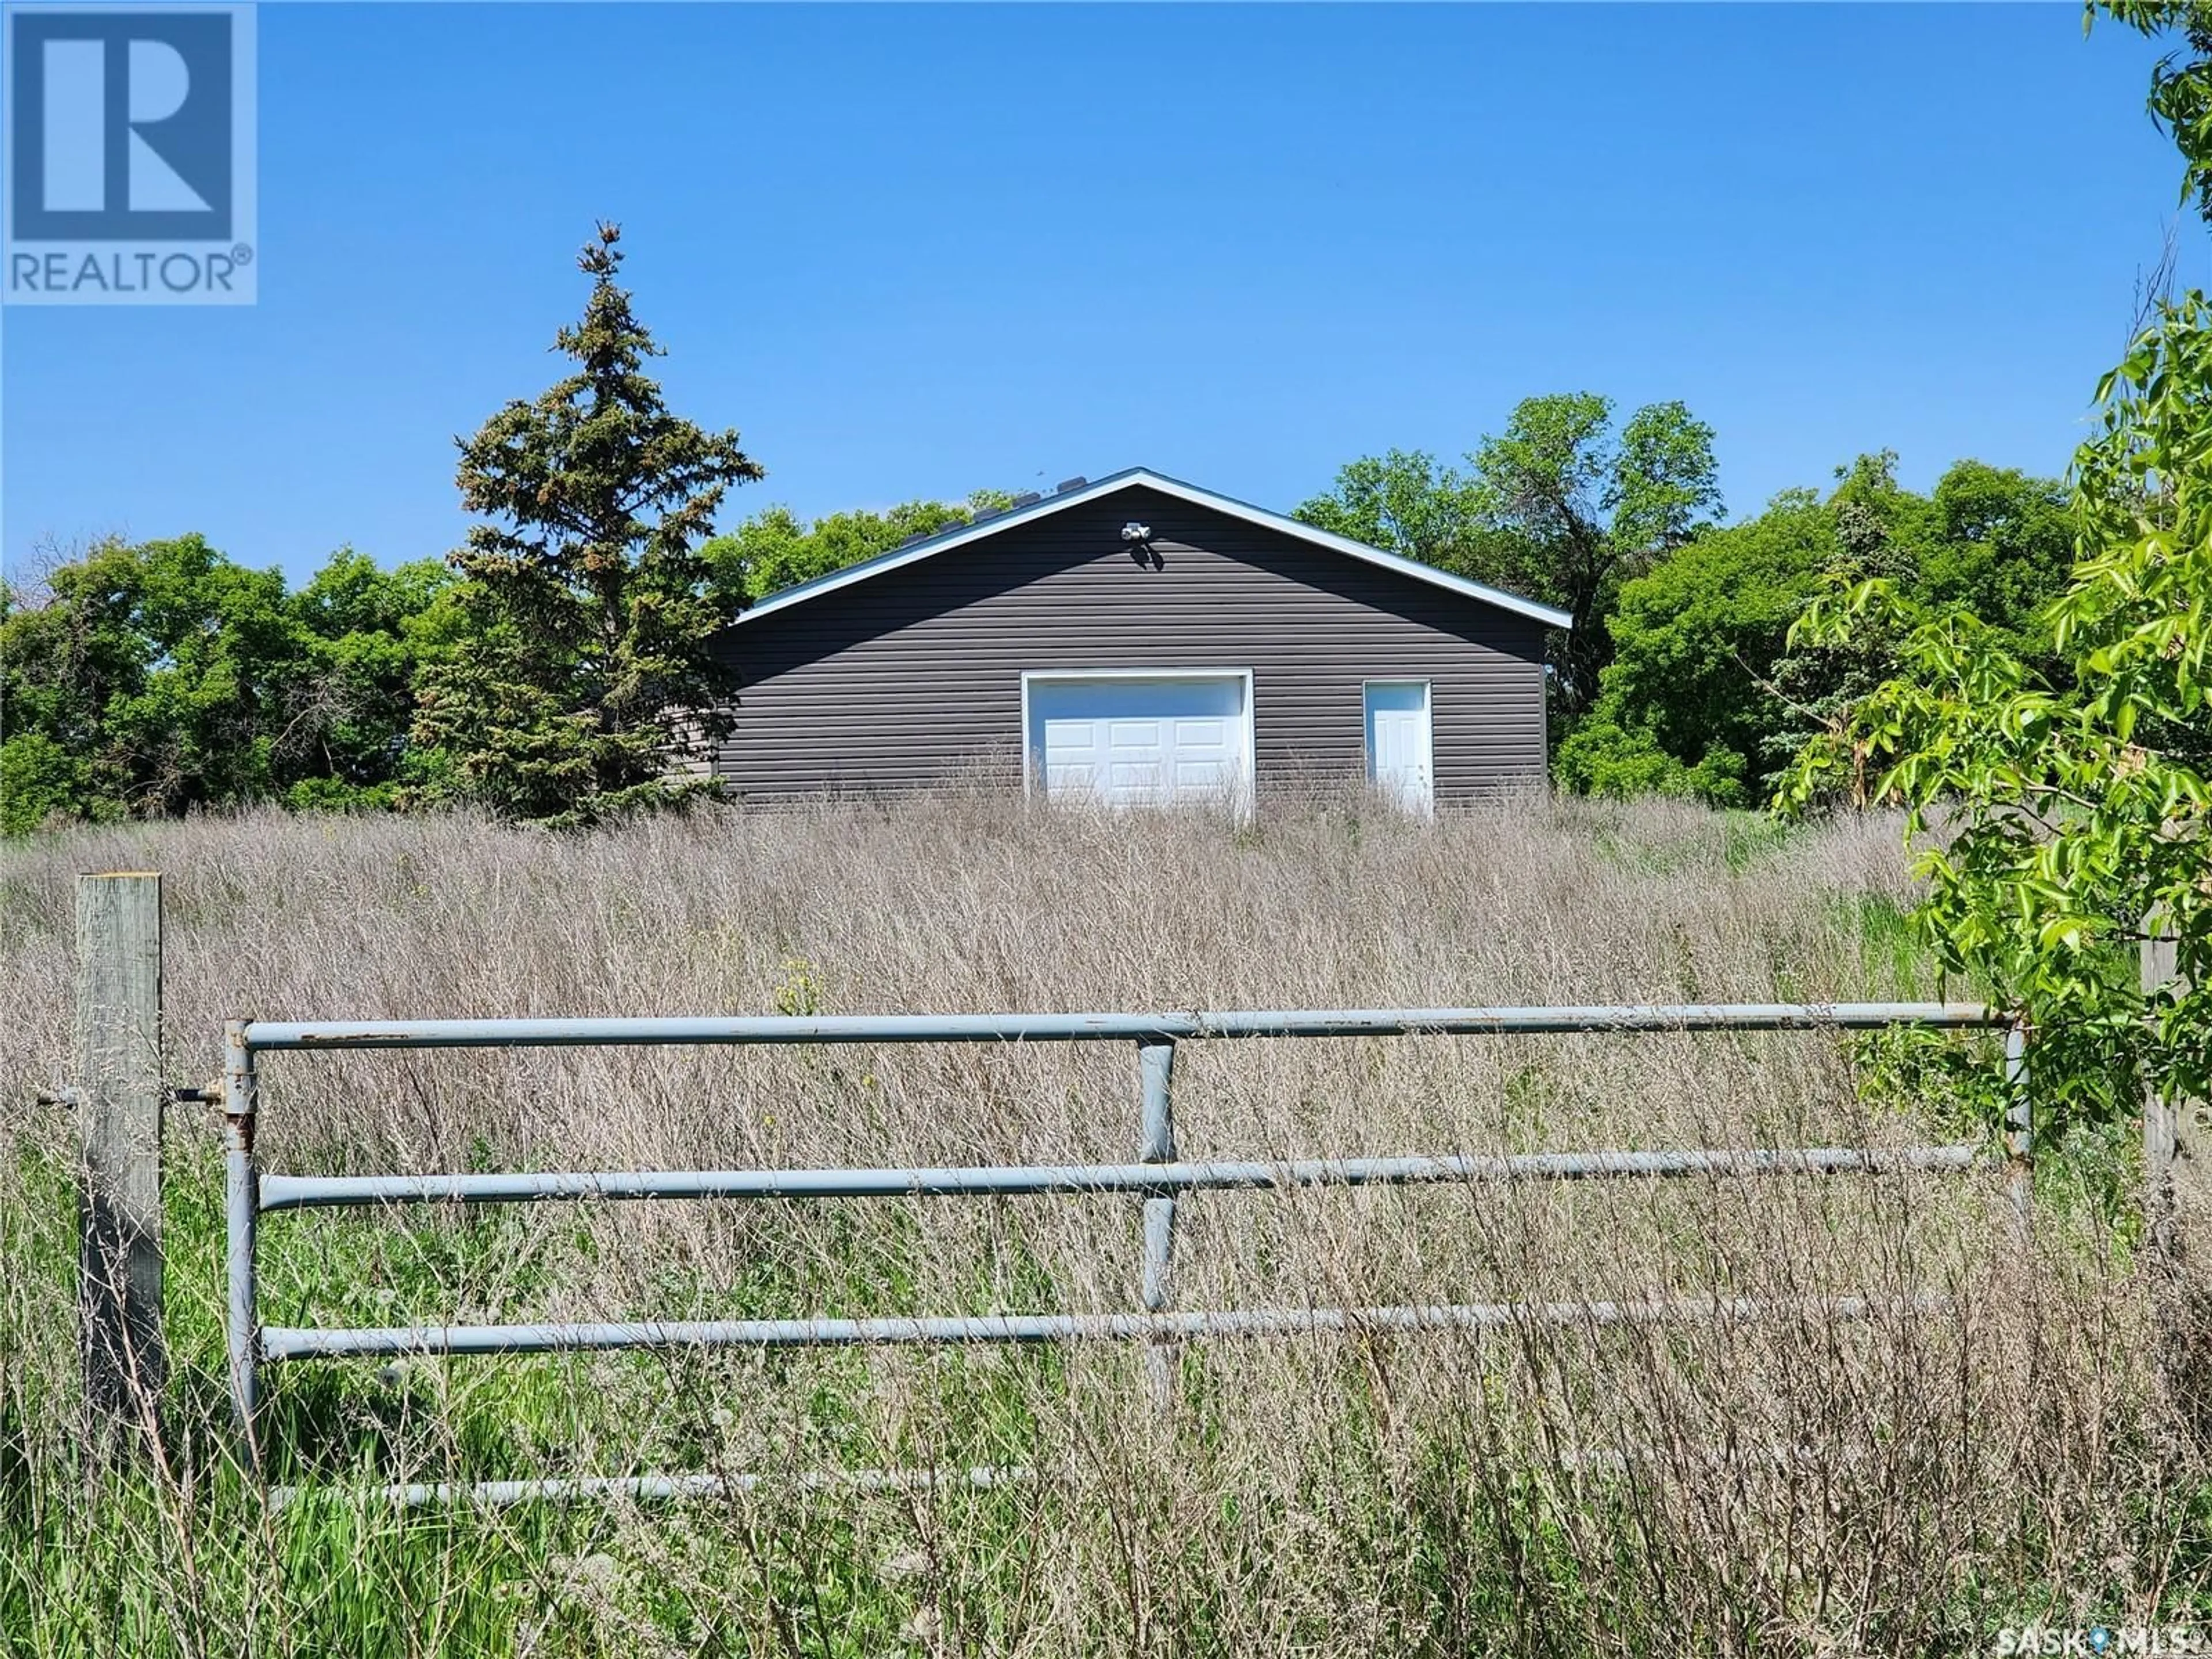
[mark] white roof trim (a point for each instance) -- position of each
(1138, 477)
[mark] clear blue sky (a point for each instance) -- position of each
(909, 252)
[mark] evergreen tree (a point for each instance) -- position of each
(590, 680)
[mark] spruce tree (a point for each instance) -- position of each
(589, 684)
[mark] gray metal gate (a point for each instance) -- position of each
(1158, 1177)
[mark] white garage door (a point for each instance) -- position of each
(1130, 740)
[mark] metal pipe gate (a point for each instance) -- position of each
(1159, 1178)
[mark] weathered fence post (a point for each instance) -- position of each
(242, 1218)
(2176, 1209)
(2019, 1131)
(1156, 1066)
(118, 1094)
(2162, 1132)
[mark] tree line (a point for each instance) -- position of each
(1680, 676)
(554, 667)
(537, 670)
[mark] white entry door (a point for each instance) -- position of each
(1399, 760)
(1140, 740)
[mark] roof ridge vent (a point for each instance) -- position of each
(1027, 497)
(1066, 484)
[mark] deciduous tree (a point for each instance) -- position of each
(1705, 694)
(1584, 510)
(1687, 705)
(151, 679)
(2073, 814)
(1560, 507)
(1405, 502)
(777, 548)
(2077, 807)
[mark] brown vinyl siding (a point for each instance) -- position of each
(912, 675)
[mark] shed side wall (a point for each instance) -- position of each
(913, 676)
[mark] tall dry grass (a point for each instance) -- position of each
(1905, 1482)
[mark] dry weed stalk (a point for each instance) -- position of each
(1805, 1483)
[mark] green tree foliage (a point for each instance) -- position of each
(589, 673)
(2001, 547)
(148, 680)
(2071, 815)
(1585, 509)
(1407, 502)
(776, 548)
(1992, 543)
(370, 632)
(1687, 700)
(2075, 810)
(2181, 85)
(1707, 696)
(1879, 531)
(1561, 506)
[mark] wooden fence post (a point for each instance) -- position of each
(2177, 1207)
(118, 1113)
(2160, 1129)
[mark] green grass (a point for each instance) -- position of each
(1324, 1498)
(93, 1554)
(117, 1557)
(112, 1557)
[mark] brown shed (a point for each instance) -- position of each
(1138, 639)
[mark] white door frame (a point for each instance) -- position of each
(1428, 805)
(1242, 805)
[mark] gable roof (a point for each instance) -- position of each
(1141, 477)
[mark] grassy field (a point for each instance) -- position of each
(1909, 1483)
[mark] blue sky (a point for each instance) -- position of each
(912, 251)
